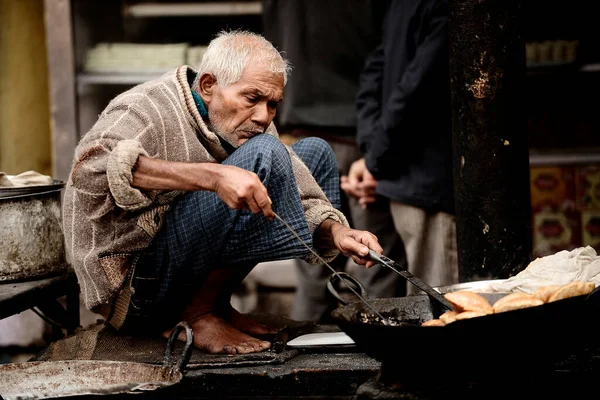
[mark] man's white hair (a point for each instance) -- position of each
(230, 51)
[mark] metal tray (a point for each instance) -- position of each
(83, 378)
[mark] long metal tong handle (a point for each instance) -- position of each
(411, 278)
(383, 319)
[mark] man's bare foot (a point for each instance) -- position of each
(245, 323)
(213, 334)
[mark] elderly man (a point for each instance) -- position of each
(173, 193)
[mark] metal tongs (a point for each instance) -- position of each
(386, 262)
(384, 320)
(397, 268)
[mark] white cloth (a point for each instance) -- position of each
(5, 180)
(29, 178)
(580, 264)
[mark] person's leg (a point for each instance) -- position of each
(410, 225)
(321, 161)
(378, 280)
(430, 242)
(311, 301)
(204, 249)
(441, 250)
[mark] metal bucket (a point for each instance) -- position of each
(31, 235)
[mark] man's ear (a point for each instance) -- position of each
(206, 86)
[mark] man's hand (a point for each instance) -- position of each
(350, 242)
(238, 188)
(241, 189)
(360, 183)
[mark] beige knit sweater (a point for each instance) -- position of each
(107, 221)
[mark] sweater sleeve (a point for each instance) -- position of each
(105, 159)
(119, 171)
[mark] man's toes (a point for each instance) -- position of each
(264, 344)
(260, 345)
(253, 346)
(229, 349)
(245, 348)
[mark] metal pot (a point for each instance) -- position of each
(57, 379)
(31, 236)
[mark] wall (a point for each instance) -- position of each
(24, 105)
(565, 202)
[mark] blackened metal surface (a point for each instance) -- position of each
(307, 375)
(16, 297)
(102, 342)
(491, 161)
(572, 378)
(549, 385)
(311, 376)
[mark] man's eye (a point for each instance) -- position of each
(252, 99)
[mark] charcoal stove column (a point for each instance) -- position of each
(491, 160)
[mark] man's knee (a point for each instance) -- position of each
(265, 155)
(314, 150)
(265, 143)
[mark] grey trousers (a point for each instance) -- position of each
(312, 302)
(430, 243)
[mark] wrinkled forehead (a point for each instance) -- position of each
(259, 75)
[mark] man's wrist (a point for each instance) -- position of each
(325, 233)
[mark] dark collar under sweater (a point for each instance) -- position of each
(204, 114)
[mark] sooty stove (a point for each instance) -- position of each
(571, 378)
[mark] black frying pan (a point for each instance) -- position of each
(523, 339)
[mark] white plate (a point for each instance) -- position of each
(321, 339)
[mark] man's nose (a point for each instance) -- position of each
(263, 115)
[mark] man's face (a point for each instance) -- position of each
(245, 108)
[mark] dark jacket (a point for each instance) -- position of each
(327, 42)
(403, 107)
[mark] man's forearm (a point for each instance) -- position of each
(151, 173)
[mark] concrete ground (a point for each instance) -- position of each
(269, 289)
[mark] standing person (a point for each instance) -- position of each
(172, 197)
(405, 134)
(328, 41)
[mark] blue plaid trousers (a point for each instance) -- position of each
(200, 232)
